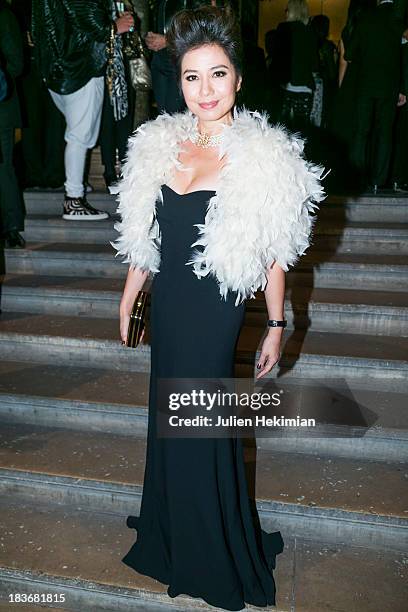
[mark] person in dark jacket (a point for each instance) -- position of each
(399, 174)
(166, 91)
(375, 50)
(254, 92)
(117, 124)
(12, 209)
(41, 149)
(342, 119)
(70, 41)
(297, 51)
(327, 68)
(165, 88)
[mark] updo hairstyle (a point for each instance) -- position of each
(206, 25)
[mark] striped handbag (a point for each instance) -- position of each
(137, 319)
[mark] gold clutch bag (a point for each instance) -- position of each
(137, 319)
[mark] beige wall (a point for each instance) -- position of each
(271, 12)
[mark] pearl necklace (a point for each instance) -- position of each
(205, 140)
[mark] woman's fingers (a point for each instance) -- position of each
(124, 325)
(265, 364)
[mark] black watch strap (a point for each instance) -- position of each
(275, 323)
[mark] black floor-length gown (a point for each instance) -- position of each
(195, 531)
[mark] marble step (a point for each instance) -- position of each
(53, 228)
(75, 554)
(341, 310)
(68, 295)
(369, 423)
(317, 269)
(322, 354)
(380, 208)
(80, 561)
(19, 607)
(85, 341)
(327, 498)
(342, 207)
(357, 237)
(361, 237)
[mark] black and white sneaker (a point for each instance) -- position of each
(79, 209)
(400, 188)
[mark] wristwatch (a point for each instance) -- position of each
(275, 323)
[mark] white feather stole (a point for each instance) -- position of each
(263, 210)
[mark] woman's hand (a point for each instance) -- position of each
(401, 99)
(270, 352)
(134, 283)
(124, 325)
(274, 297)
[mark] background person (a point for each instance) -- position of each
(117, 123)
(41, 149)
(70, 38)
(297, 60)
(12, 208)
(375, 51)
(341, 122)
(165, 88)
(327, 65)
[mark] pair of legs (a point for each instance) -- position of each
(399, 169)
(372, 144)
(42, 144)
(12, 207)
(114, 135)
(82, 110)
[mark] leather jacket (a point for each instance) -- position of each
(70, 41)
(11, 61)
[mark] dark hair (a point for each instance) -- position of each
(356, 9)
(206, 25)
(321, 25)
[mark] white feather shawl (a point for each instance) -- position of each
(262, 210)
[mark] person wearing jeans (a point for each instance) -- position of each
(82, 111)
(70, 40)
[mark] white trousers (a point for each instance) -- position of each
(82, 111)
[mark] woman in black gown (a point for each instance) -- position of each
(195, 531)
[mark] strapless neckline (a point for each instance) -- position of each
(182, 195)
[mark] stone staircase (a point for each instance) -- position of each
(73, 413)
